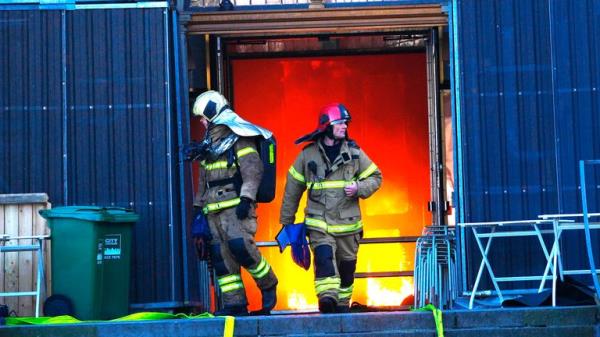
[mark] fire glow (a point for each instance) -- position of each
(387, 98)
(380, 296)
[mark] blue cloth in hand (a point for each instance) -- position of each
(295, 236)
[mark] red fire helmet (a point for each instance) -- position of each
(330, 114)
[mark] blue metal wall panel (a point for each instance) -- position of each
(528, 114)
(507, 110)
(576, 56)
(31, 103)
(120, 119)
(86, 117)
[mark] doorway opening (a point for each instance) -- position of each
(400, 116)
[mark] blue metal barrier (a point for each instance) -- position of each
(586, 222)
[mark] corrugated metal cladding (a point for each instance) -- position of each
(106, 137)
(530, 110)
(31, 128)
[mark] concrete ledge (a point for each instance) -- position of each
(537, 322)
(521, 317)
(388, 321)
(565, 331)
(294, 324)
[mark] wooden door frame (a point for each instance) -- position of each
(317, 21)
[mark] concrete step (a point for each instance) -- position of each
(522, 317)
(562, 331)
(542, 322)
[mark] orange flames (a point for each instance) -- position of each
(387, 97)
(380, 296)
(298, 301)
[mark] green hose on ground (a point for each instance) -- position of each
(139, 316)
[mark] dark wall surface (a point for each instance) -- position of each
(86, 116)
(529, 111)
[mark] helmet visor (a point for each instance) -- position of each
(340, 121)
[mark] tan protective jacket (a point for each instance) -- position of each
(215, 198)
(328, 208)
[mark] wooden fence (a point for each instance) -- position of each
(18, 270)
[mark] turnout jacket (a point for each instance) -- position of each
(217, 189)
(328, 209)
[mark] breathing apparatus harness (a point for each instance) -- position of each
(312, 166)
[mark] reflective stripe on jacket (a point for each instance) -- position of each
(328, 209)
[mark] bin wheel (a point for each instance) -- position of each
(58, 305)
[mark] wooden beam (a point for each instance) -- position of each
(26, 198)
(315, 21)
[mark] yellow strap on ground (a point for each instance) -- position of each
(229, 325)
(437, 317)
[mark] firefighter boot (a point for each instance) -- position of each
(234, 310)
(327, 304)
(269, 299)
(342, 309)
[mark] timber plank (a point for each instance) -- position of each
(41, 228)
(11, 259)
(27, 198)
(25, 258)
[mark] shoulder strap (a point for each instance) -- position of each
(352, 144)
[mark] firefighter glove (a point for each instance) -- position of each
(201, 235)
(201, 248)
(243, 208)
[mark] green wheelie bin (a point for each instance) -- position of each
(91, 259)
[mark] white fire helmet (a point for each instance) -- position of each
(209, 105)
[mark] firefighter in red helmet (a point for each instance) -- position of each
(335, 172)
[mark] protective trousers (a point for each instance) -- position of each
(233, 246)
(335, 264)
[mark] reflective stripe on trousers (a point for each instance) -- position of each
(261, 270)
(333, 229)
(230, 283)
(345, 293)
(328, 283)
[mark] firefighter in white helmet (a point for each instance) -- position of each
(229, 178)
(336, 172)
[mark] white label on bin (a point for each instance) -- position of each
(99, 252)
(112, 246)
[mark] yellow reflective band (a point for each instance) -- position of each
(216, 165)
(315, 223)
(327, 284)
(229, 279)
(337, 229)
(245, 151)
(372, 168)
(232, 287)
(261, 270)
(328, 184)
(230, 283)
(220, 205)
(346, 292)
(334, 229)
(297, 175)
(271, 153)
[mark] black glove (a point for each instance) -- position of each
(201, 248)
(201, 234)
(243, 208)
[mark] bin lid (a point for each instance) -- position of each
(91, 213)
